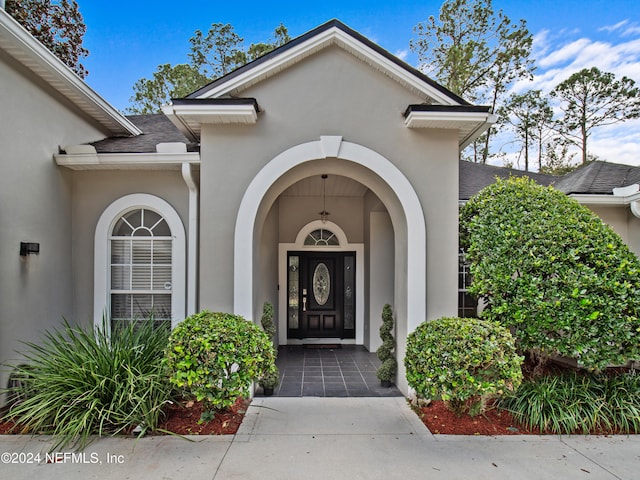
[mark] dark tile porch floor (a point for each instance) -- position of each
(349, 371)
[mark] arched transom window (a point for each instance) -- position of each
(322, 237)
(141, 268)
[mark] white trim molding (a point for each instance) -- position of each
(125, 161)
(469, 124)
(18, 43)
(189, 116)
(105, 225)
(630, 195)
(344, 246)
(409, 219)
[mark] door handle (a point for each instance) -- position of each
(304, 304)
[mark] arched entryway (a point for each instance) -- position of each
(333, 156)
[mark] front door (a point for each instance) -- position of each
(322, 304)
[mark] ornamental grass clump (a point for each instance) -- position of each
(578, 403)
(83, 381)
(462, 361)
(214, 357)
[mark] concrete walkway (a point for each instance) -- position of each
(329, 438)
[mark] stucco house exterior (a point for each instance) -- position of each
(323, 177)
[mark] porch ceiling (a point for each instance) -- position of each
(336, 186)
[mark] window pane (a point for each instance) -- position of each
(162, 252)
(349, 292)
(134, 218)
(467, 304)
(122, 229)
(121, 251)
(120, 306)
(150, 218)
(161, 278)
(321, 237)
(141, 277)
(141, 251)
(294, 268)
(161, 307)
(140, 267)
(120, 277)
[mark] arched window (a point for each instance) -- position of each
(140, 262)
(321, 236)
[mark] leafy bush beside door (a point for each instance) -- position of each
(463, 361)
(215, 356)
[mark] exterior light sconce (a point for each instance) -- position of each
(29, 248)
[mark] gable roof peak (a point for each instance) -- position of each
(331, 33)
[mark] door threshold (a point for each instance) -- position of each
(320, 341)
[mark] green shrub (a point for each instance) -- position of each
(554, 273)
(215, 356)
(267, 320)
(80, 382)
(578, 403)
(387, 370)
(462, 361)
(272, 377)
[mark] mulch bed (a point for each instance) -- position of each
(182, 419)
(440, 420)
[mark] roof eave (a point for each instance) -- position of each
(19, 44)
(126, 161)
(188, 115)
(470, 121)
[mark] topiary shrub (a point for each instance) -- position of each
(267, 320)
(462, 361)
(215, 356)
(271, 379)
(563, 281)
(387, 371)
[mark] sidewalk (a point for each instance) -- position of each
(336, 438)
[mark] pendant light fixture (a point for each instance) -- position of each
(324, 215)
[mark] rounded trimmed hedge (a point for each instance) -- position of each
(563, 281)
(462, 361)
(215, 356)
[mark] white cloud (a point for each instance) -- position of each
(557, 61)
(612, 28)
(402, 54)
(618, 143)
(633, 30)
(560, 54)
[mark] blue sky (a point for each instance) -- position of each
(127, 40)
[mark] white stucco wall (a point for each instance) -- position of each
(296, 212)
(35, 206)
(381, 281)
(623, 222)
(93, 192)
(332, 93)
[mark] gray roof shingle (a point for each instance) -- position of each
(594, 178)
(475, 176)
(156, 128)
(598, 178)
